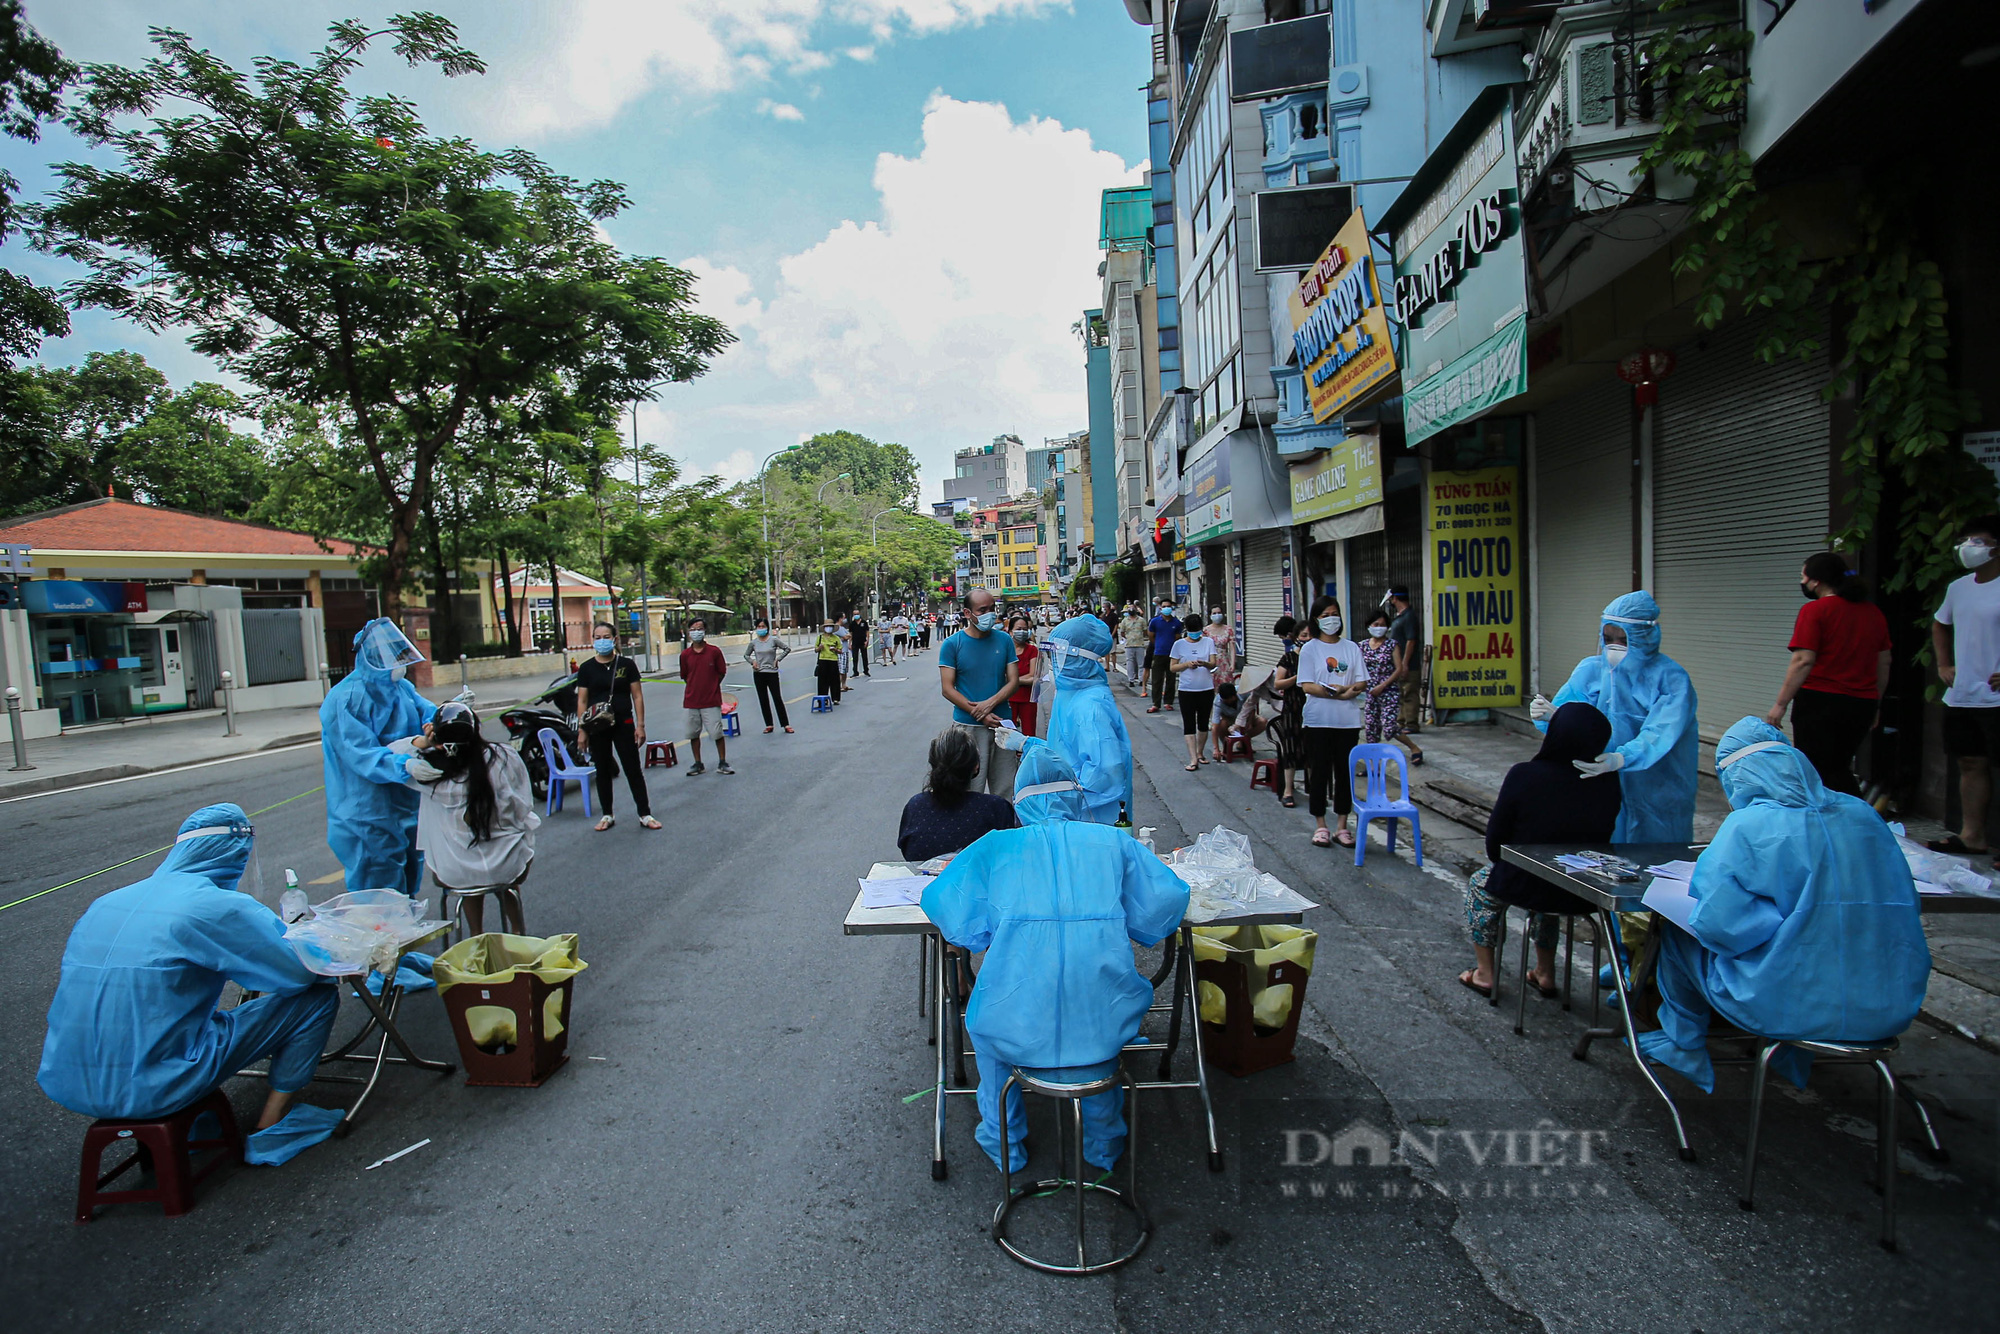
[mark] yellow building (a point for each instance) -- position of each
(1021, 576)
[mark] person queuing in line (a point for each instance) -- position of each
(1021, 704)
(1805, 921)
(371, 818)
(1542, 800)
(948, 816)
(1166, 630)
(857, 626)
(1839, 670)
(978, 674)
(1333, 677)
(846, 634)
(134, 1030)
(827, 674)
(1382, 706)
(611, 679)
(1137, 640)
(1651, 704)
(1224, 667)
(900, 644)
(476, 824)
(1409, 662)
(764, 652)
(1057, 905)
(1965, 643)
(1192, 659)
(703, 667)
(1278, 695)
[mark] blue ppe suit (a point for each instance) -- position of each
(1054, 904)
(371, 814)
(133, 1030)
(1088, 727)
(1650, 701)
(1806, 921)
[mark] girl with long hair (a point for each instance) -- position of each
(476, 819)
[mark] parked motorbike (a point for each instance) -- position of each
(554, 709)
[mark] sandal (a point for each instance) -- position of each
(768, 731)
(604, 824)
(788, 731)
(1465, 980)
(1953, 843)
(1548, 993)
(648, 822)
(1287, 802)
(1322, 838)
(1192, 767)
(1416, 759)
(1345, 839)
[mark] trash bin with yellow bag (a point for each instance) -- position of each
(509, 1002)
(1250, 982)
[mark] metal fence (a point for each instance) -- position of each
(274, 645)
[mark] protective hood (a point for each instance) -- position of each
(1040, 794)
(1773, 771)
(1577, 731)
(219, 856)
(1639, 617)
(1077, 647)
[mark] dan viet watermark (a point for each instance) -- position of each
(1365, 1163)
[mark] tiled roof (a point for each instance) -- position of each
(124, 525)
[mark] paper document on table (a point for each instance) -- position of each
(1925, 887)
(894, 891)
(1673, 870)
(1672, 899)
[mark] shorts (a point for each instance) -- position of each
(1971, 733)
(704, 722)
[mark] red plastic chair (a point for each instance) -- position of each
(169, 1146)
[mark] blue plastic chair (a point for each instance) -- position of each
(563, 769)
(1372, 800)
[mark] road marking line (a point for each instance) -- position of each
(328, 879)
(159, 773)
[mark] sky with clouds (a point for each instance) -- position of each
(892, 202)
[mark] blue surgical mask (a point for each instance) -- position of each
(1194, 634)
(987, 620)
(605, 647)
(696, 636)
(763, 634)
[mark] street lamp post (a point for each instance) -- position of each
(645, 582)
(824, 610)
(764, 495)
(893, 509)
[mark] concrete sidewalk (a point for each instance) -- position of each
(137, 746)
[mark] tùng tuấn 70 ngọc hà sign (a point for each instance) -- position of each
(1474, 529)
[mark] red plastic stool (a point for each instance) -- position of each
(1236, 748)
(166, 1142)
(661, 752)
(1264, 773)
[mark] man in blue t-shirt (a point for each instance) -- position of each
(1166, 629)
(977, 670)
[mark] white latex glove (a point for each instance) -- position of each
(1610, 762)
(1540, 708)
(1008, 738)
(422, 769)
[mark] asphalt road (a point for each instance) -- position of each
(730, 1147)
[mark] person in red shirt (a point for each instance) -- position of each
(703, 666)
(1839, 669)
(1022, 701)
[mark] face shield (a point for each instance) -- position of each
(251, 881)
(385, 648)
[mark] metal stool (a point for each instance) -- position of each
(1048, 1084)
(1264, 773)
(451, 904)
(1568, 968)
(822, 704)
(661, 752)
(1236, 748)
(1876, 1054)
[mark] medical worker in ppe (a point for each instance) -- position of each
(1805, 923)
(1650, 702)
(1056, 906)
(1088, 727)
(371, 814)
(133, 1030)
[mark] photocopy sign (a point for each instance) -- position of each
(1475, 544)
(1341, 333)
(1461, 276)
(1209, 514)
(1346, 477)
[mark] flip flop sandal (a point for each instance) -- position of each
(1344, 839)
(1192, 767)
(1287, 802)
(769, 730)
(648, 822)
(603, 824)
(788, 731)
(1322, 838)
(1953, 843)
(1465, 980)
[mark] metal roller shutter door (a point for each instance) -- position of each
(1583, 522)
(1741, 479)
(1263, 596)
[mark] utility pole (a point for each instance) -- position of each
(824, 610)
(764, 493)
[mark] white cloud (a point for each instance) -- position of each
(940, 323)
(594, 57)
(779, 110)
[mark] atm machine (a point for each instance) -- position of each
(162, 684)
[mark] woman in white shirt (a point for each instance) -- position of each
(1192, 660)
(476, 818)
(1334, 677)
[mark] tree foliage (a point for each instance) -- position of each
(33, 74)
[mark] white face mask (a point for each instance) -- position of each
(696, 636)
(1329, 625)
(1973, 553)
(1377, 631)
(1614, 654)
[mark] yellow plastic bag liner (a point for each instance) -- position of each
(493, 959)
(1257, 948)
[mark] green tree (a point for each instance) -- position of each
(876, 469)
(331, 251)
(33, 75)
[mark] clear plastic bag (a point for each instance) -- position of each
(331, 947)
(365, 928)
(1946, 872)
